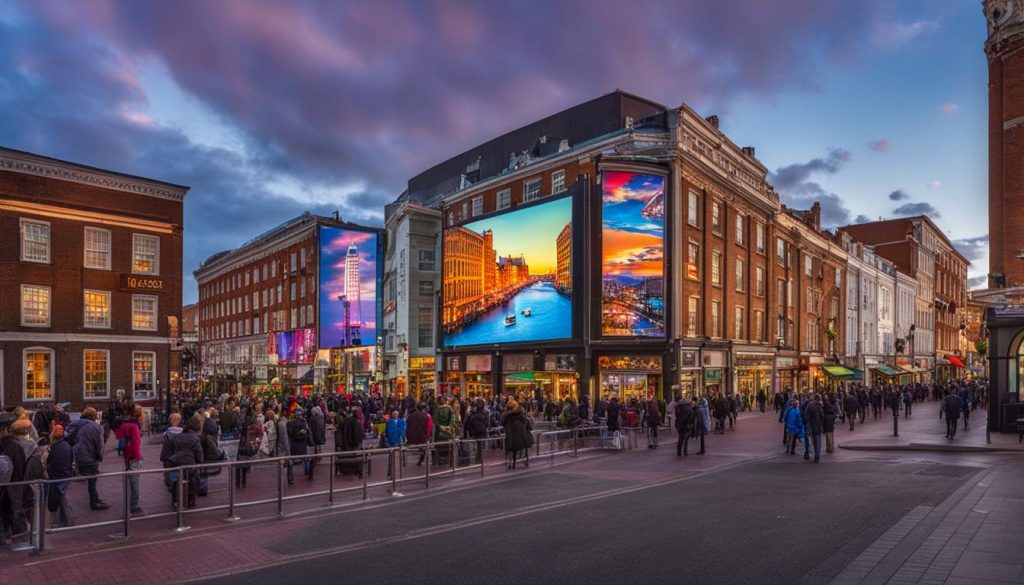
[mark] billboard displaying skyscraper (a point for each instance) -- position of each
(632, 254)
(350, 273)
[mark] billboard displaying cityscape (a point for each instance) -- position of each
(349, 283)
(508, 278)
(632, 254)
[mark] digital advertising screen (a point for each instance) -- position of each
(632, 254)
(350, 274)
(508, 278)
(293, 347)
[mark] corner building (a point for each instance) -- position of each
(90, 283)
(685, 273)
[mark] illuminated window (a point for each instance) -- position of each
(35, 241)
(740, 284)
(716, 218)
(37, 373)
(35, 306)
(425, 327)
(145, 254)
(97, 248)
(759, 230)
(504, 199)
(692, 316)
(558, 181)
(716, 268)
(97, 308)
(143, 375)
(738, 325)
(693, 262)
(693, 211)
(531, 190)
(144, 312)
(96, 366)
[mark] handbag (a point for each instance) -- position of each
(616, 440)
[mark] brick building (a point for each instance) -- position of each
(90, 273)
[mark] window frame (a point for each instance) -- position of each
(559, 173)
(693, 209)
(716, 218)
(85, 308)
(740, 234)
(85, 375)
(503, 199)
(693, 317)
(716, 268)
(49, 305)
(737, 326)
(740, 275)
(527, 184)
(691, 247)
(86, 250)
(22, 221)
(156, 312)
(477, 206)
(759, 238)
(52, 370)
(156, 255)
(135, 395)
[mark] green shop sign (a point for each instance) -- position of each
(713, 375)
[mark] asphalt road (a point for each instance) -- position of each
(773, 519)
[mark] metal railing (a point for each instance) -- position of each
(568, 442)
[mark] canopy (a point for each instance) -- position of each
(522, 375)
(955, 361)
(842, 372)
(890, 371)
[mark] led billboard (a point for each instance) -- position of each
(292, 347)
(632, 254)
(350, 274)
(508, 278)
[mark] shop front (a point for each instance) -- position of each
(714, 363)
(754, 374)
(812, 374)
(470, 375)
(553, 376)
(787, 370)
(836, 376)
(886, 375)
(950, 367)
(690, 373)
(630, 376)
(422, 377)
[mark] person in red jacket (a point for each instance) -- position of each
(129, 437)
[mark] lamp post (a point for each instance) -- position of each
(910, 338)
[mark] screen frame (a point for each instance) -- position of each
(378, 279)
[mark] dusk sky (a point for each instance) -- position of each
(268, 109)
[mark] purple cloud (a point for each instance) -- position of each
(910, 209)
(798, 191)
(973, 249)
(949, 108)
(880, 145)
(898, 195)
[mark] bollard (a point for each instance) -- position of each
(426, 475)
(896, 422)
(480, 456)
(451, 455)
(182, 489)
(366, 476)
(393, 461)
(231, 494)
(40, 520)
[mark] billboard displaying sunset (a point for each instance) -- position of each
(632, 254)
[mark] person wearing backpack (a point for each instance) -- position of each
(298, 439)
(248, 448)
(86, 438)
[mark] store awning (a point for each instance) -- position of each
(521, 375)
(955, 361)
(889, 371)
(842, 372)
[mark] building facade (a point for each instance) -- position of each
(91, 280)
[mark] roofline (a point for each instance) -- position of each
(911, 218)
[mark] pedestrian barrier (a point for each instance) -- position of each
(471, 452)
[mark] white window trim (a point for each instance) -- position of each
(110, 247)
(110, 308)
(561, 173)
(156, 261)
(155, 389)
(49, 308)
(105, 395)
(477, 206)
(24, 372)
(499, 204)
(156, 313)
(526, 185)
(49, 239)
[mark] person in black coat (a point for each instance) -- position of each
(952, 407)
(685, 417)
(850, 406)
(518, 433)
(613, 411)
(349, 437)
(814, 421)
(829, 412)
(299, 437)
(187, 449)
(58, 466)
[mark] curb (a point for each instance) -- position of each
(933, 448)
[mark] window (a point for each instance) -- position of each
(255, 325)
(739, 229)
(478, 206)
(780, 251)
(145, 254)
(808, 266)
(426, 287)
(294, 318)
(716, 268)
(37, 373)
(504, 199)
(263, 297)
(693, 262)
(97, 248)
(738, 325)
(759, 325)
(144, 312)
(739, 275)
(426, 259)
(425, 327)
(693, 211)
(302, 288)
(759, 281)
(295, 261)
(273, 269)
(291, 292)
(716, 330)
(35, 241)
(280, 295)
(716, 218)
(692, 316)
(759, 234)
(96, 368)
(264, 272)
(256, 275)
(97, 308)
(789, 293)
(35, 306)
(839, 278)
(255, 301)
(558, 181)
(302, 257)
(143, 375)
(531, 190)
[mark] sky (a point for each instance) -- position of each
(270, 108)
(531, 232)
(334, 244)
(632, 246)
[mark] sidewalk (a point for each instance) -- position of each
(972, 538)
(924, 431)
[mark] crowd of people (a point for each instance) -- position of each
(46, 444)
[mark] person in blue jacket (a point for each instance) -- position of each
(394, 436)
(795, 427)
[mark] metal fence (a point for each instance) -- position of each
(463, 455)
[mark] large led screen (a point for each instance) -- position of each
(508, 278)
(632, 254)
(292, 347)
(349, 285)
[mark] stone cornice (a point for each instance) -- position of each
(1005, 20)
(255, 251)
(31, 164)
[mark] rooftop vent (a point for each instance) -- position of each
(713, 120)
(749, 151)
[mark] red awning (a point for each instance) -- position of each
(955, 361)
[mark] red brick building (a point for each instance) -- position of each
(90, 274)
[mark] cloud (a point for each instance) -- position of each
(973, 249)
(892, 34)
(798, 191)
(949, 108)
(909, 209)
(935, 184)
(898, 195)
(977, 282)
(792, 176)
(880, 145)
(861, 219)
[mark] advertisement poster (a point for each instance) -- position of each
(349, 279)
(293, 347)
(633, 254)
(508, 278)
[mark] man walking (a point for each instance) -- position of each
(850, 407)
(684, 425)
(86, 437)
(418, 428)
(814, 418)
(952, 407)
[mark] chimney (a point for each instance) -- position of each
(749, 151)
(713, 120)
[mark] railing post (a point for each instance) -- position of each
(182, 489)
(480, 455)
(393, 463)
(280, 488)
(366, 477)
(451, 454)
(127, 504)
(330, 480)
(426, 455)
(40, 520)
(232, 472)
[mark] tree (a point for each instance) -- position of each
(981, 346)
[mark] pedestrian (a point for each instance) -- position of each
(518, 434)
(475, 431)
(685, 417)
(850, 407)
(171, 478)
(298, 440)
(795, 426)
(653, 419)
(188, 450)
(722, 410)
(814, 416)
(418, 427)
(249, 441)
(829, 423)
(130, 438)
(87, 449)
(283, 447)
(703, 422)
(58, 467)
(952, 407)
(317, 429)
